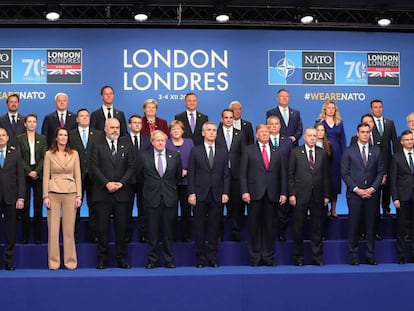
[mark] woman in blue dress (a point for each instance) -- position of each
(331, 120)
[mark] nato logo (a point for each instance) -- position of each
(284, 67)
(351, 68)
(29, 66)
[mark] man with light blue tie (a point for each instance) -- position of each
(291, 126)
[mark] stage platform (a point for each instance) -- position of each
(332, 287)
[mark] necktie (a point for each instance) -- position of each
(192, 122)
(285, 116)
(410, 159)
(311, 160)
(109, 113)
(160, 166)
(265, 157)
(84, 138)
(1, 158)
(136, 144)
(275, 142)
(113, 150)
(62, 120)
(210, 156)
(13, 124)
(380, 129)
(364, 156)
(228, 140)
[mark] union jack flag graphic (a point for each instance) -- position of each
(71, 69)
(383, 72)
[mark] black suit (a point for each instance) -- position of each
(52, 121)
(12, 187)
(108, 168)
(160, 198)
(310, 187)
(19, 129)
(235, 206)
(22, 143)
(98, 119)
(265, 187)
(295, 126)
(200, 119)
(94, 136)
(208, 184)
(144, 144)
(355, 174)
(402, 189)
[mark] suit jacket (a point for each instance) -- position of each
(62, 176)
(389, 142)
(200, 120)
(158, 188)
(295, 126)
(105, 168)
(303, 182)
(160, 124)
(376, 139)
(401, 178)
(236, 150)
(5, 123)
(22, 144)
(355, 174)
(202, 178)
(257, 180)
(12, 179)
(94, 136)
(247, 131)
(51, 122)
(98, 119)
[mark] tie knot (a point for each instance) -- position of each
(159, 154)
(410, 153)
(13, 117)
(310, 151)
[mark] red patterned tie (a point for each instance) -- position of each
(311, 160)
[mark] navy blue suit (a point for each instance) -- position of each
(295, 126)
(52, 121)
(98, 119)
(355, 174)
(20, 129)
(208, 184)
(200, 119)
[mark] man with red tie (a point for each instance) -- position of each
(263, 184)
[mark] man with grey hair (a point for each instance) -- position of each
(241, 124)
(62, 117)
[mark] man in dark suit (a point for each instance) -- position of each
(263, 184)
(283, 143)
(82, 140)
(385, 128)
(62, 117)
(362, 172)
(113, 169)
(12, 121)
(308, 190)
(192, 119)
(32, 147)
(161, 172)
(99, 116)
(233, 140)
(291, 121)
(140, 143)
(402, 189)
(240, 124)
(208, 188)
(12, 188)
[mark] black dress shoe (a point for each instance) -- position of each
(282, 238)
(213, 263)
(143, 239)
(123, 264)
(101, 265)
(169, 265)
(362, 237)
(269, 263)
(354, 262)
(9, 267)
(200, 264)
(401, 260)
(186, 239)
(38, 242)
(254, 263)
(236, 237)
(25, 241)
(151, 265)
(317, 262)
(299, 263)
(371, 262)
(378, 237)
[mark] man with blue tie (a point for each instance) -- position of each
(402, 189)
(362, 171)
(291, 126)
(161, 173)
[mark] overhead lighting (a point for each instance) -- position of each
(307, 19)
(141, 17)
(222, 18)
(384, 22)
(52, 15)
